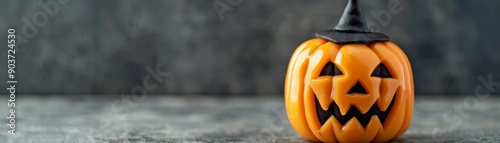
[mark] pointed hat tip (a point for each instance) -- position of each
(352, 19)
(352, 28)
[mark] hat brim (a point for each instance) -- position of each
(345, 37)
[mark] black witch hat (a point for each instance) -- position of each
(352, 28)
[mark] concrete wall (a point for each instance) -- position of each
(106, 47)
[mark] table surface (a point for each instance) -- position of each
(224, 119)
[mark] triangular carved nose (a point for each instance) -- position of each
(357, 88)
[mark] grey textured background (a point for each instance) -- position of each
(104, 47)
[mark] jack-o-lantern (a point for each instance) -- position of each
(349, 84)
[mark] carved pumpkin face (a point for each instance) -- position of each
(350, 92)
(349, 85)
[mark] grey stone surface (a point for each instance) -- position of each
(55, 119)
(103, 47)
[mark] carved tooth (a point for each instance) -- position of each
(364, 107)
(352, 131)
(322, 87)
(343, 105)
(388, 87)
(326, 131)
(393, 122)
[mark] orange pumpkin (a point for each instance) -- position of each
(349, 85)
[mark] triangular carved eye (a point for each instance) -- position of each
(381, 71)
(330, 70)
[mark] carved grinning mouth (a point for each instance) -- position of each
(364, 119)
